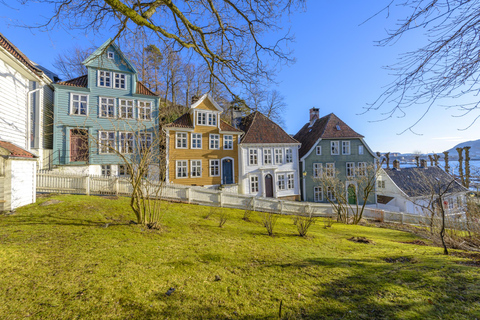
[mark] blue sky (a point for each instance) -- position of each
(338, 69)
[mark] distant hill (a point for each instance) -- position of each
(474, 151)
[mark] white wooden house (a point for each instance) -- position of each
(268, 159)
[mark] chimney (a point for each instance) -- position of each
(396, 164)
(194, 99)
(423, 163)
(236, 116)
(314, 115)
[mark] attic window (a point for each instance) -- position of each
(337, 127)
(110, 55)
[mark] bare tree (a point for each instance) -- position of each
(69, 64)
(446, 67)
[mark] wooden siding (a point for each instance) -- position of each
(206, 105)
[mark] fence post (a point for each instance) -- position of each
(87, 185)
(220, 198)
(280, 206)
(187, 193)
(253, 204)
(116, 186)
(401, 216)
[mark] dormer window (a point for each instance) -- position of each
(108, 79)
(104, 78)
(206, 118)
(110, 55)
(119, 81)
(201, 118)
(212, 119)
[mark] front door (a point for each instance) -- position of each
(269, 186)
(78, 145)
(227, 169)
(352, 194)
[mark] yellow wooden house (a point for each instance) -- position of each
(202, 149)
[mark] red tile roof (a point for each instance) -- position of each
(328, 127)
(7, 45)
(16, 151)
(260, 129)
(184, 121)
(82, 82)
(226, 127)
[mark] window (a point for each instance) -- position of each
(181, 138)
(288, 155)
(110, 55)
(126, 142)
(119, 81)
(291, 181)
(381, 184)
(104, 79)
(126, 109)
(318, 150)
(252, 157)
(362, 169)
(228, 142)
(145, 141)
(201, 118)
(106, 170)
(330, 170)
(214, 168)
(330, 193)
(317, 194)
(196, 141)
(278, 156)
(350, 169)
(122, 170)
(334, 147)
(214, 141)
(360, 149)
(317, 170)
(267, 156)
(106, 141)
(253, 184)
(281, 181)
(144, 110)
(79, 104)
(107, 107)
(212, 119)
(182, 169)
(196, 168)
(346, 147)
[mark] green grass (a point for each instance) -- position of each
(62, 262)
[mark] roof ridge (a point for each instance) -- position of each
(85, 75)
(254, 113)
(23, 58)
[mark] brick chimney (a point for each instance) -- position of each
(396, 164)
(194, 99)
(423, 163)
(314, 115)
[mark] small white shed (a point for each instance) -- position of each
(17, 176)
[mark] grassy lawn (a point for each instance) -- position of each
(81, 259)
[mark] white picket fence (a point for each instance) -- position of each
(48, 182)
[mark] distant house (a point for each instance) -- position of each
(411, 189)
(202, 149)
(101, 114)
(26, 102)
(268, 159)
(330, 146)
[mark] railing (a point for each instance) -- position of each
(106, 185)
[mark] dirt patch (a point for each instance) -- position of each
(473, 258)
(110, 197)
(400, 260)
(417, 242)
(50, 202)
(361, 240)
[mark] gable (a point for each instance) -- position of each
(206, 105)
(100, 59)
(260, 129)
(206, 102)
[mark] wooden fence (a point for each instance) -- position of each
(105, 185)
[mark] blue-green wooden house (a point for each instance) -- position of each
(330, 146)
(103, 113)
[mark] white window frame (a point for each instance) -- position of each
(227, 142)
(278, 156)
(79, 101)
(267, 155)
(196, 140)
(281, 182)
(145, 140)
(122, 79)
(124, 108)
(201, 118)
(330, 170)
(253, 157)
(196, 168)
(144, 110)
(212, 119)
(317, 194)
(123, 170)
(102, 145)
(350, 169)
(181, 169)
(362, 169)
(290, 181)
(318, 150)
(214, 164)
(254, 184)
(331, 193)
(123, 138)
(106, 170)
(334, 148)
(106, 75)
(108, 105)
(288, 155)
(215, 139)
(317, 170)
(181, 137)
(346, 148)
(110, 55)
(360, 149)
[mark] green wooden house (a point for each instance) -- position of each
(331, 146)
(101, 114)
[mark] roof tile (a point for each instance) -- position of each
(7, 45)
(260, 129)
(16, 151)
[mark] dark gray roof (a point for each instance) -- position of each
(418, 182)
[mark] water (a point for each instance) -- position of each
(474, 166)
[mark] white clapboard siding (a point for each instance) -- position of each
(23, 182)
